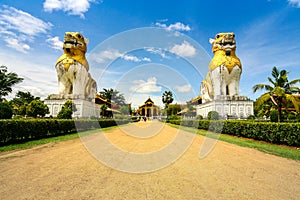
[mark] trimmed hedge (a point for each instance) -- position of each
(277, 133)
(16, 131)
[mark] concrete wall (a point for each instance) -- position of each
(85, 109)
(237, 108)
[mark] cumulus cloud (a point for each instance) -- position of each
(71, 7)
(184, 49)
(55, 43)
(158, 51)
(178, 26)
(295, 3)
(112, 54)
(18, 28)
(134, 58)
(142, 86)
(16, 44)
(183, 88)
(106, 55)
(39, 79)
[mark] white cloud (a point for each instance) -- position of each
(138, 99)
(112, 54)
(158, 51)
(16, 44)
(55, 43)
(185, 49)
(78, 7)
(17, 20)
(295, 3)
(104, 56)
(40, 80)
(18, 28)
(178, 26)
(130, 58)
(141, 86)
(146, 59)
(183, 88)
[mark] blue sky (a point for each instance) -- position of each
(143, 48)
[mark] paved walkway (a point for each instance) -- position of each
(67, 170)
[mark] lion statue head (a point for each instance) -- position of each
(223, 47)
(74, 47)
(223, 42)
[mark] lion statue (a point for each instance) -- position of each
(225, 69)
(74, 79)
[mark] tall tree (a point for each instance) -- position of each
(6, 111)
(114, 96)
(279, 91)
(103, 109)
(21, 101)
(125, 110)
(167, 98)
(37, 108)
(7, 80)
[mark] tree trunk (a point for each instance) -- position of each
(279, 111)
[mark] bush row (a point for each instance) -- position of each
(14, 131)
(277, 133)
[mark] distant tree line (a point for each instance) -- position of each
(24, 104)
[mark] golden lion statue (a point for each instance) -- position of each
(224, 69)
(74, 79)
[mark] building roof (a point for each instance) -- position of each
(149, 101)
(195, 100)
(101, 100)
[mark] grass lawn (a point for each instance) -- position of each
(278, 150)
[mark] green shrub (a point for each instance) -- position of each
(67, 110)
(199, 117)
(297, 118)
(135, 119)
(277, 133)
(121, 116)
(274, 116)
(291, 116)
(65, 113)
(13, 131)
(251, 117)
(6, 111)
(175, 117)
(213, 115)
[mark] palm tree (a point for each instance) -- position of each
(279, 92)
(113, 96)
(167, 98)
(7, 80)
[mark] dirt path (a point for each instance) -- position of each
(66, 170)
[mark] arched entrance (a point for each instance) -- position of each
(149, 114)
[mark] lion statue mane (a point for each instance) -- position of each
(224, 69)
(74, 79)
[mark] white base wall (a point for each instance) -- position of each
(236, 108)
(85, 109)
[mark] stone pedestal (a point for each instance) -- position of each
(85, 108)
(227, 106)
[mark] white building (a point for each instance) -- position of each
(236, 107)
